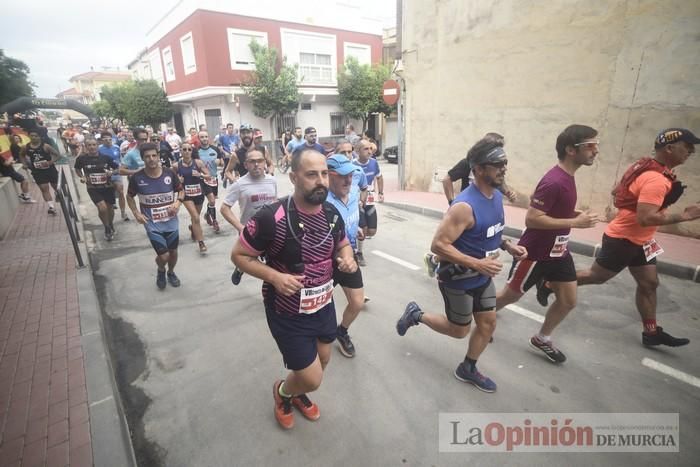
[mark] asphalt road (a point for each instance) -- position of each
(196, 364)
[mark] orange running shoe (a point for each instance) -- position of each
(307, 408)
(283, 407)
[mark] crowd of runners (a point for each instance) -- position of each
(305, 244)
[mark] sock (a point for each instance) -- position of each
(281, 391)
(342, 330)
(543, 338)
(51, 205)
(471, 364)
(433, 259)
(649, 326)
(212, 211)
(360, 243)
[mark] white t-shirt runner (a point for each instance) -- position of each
(251, 194)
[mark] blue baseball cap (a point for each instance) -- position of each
(341, 165)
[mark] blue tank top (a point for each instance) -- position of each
(484, 238)
(185, 171)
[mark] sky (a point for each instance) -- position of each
(58, 40)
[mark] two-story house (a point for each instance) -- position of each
(200, 53)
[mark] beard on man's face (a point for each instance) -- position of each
(247, 140)
(316, 196)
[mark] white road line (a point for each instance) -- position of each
(526, 313)
(672, 372)
(396, 260)
(108, 398)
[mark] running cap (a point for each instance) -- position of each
(340, 164)
(309, 129)
(673, 135)
(257, 134)
(494, 156)
(245, 127)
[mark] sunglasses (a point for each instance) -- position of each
(256, 161)
(588, 144)
(186, 149)
(498, 165)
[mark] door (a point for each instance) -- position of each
(179, 125)
(212, 118)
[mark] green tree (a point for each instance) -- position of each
(140, 102)
(273, 85)
(360, 90)
(14, 79)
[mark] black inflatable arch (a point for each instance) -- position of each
(22, 104)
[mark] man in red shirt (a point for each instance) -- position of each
(628, 241)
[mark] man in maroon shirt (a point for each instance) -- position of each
(549, 220)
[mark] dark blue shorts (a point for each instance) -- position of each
(298, 335)
(164, 241)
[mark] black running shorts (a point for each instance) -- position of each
(102, 194)
(526, 272)
(618, 253)
(297, 336)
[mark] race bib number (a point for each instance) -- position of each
(98, 179)
(492, 253)
(41, 164)
(213, 181)
(193, 190)
(160, 214)
(652, 249)
(559, 247)
(314, 298)
(370, 198)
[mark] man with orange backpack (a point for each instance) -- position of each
(647, 188)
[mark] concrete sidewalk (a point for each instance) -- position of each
(57, 404)
(680, 259)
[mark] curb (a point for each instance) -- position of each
(669, 268)
(111, 440)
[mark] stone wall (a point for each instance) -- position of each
(527, 69)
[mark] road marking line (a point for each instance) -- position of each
(526, 313)
(108, 398)
(396, 260)
(672, 372)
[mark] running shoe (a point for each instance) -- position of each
(125, 218)
(346, 346)
(481, 382)
(410, 317)
(552, 353)
(663, 338)
(25, 198)
(109, 234)
(307, 408)
(52, 210)
(173, 280)
(160, 280)
(283, 407)
(430, 265)
(236, 276)
(543, 292)
(202, 248)
(215, 226)
(361, 259)
(207, 217)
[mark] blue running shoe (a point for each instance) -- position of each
(410, 317)
(482, 382)
(160, 280)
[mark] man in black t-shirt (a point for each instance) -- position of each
(95, 170)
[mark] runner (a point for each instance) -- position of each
(160, 196)
(253, 190)
(468, 240)
(236, 166)
(368, 211)
(346, 199)
(300, 236)
(40, 158)
(111, 151)
(191, 172)
(549, 220)
(8, 170)
(229, 142)
(310, 137)
(212, 158)
(175, 142)
(132, 161)
(96, 170)
(359, 183)
(647, 188)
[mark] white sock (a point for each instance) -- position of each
(359, 245)
(543, 338)
(51, 205)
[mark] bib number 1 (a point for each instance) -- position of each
(652, 250)
(313, 299)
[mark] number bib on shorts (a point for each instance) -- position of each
(313, 299)
(160, 214)
(488, 254)
(98, 179)
(652, 249)
(559, 247)
(41, 164)
(193, 190)
(370, 198)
